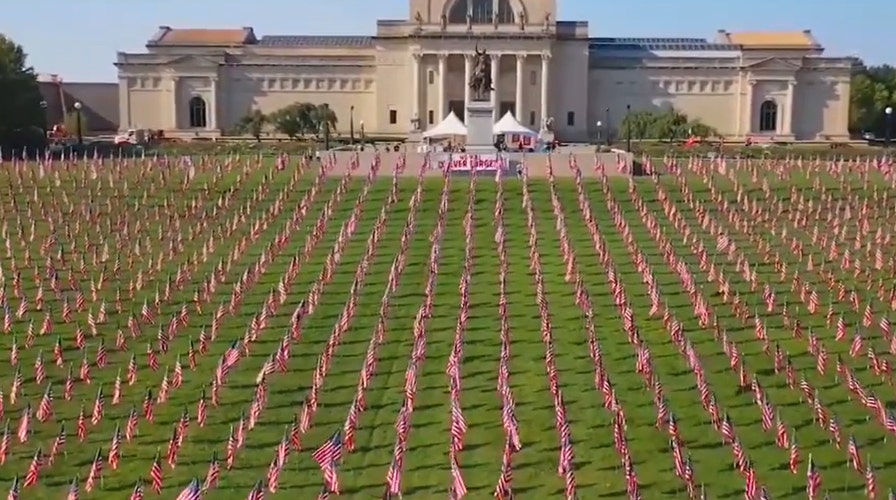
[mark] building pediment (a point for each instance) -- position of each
(772, 64)
(193, 61)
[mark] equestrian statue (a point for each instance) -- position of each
(481, 79)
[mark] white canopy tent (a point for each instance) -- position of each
(509, 125)
(450, 126)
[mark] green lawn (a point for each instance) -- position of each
(179, 221)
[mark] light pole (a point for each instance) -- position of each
(628, 128)
(78, 130)
(43, 107)
(361, 124)
(599, 130)
(351, 125)
(607, 121)
(326, 127)
(888, 111)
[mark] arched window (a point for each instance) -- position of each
(482, 11)
(768, 117)
(198, 113)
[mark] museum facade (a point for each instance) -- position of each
(413, 72)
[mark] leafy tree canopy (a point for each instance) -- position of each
(20, 97)
(669, 125)
(253, 124)
(873, 90)
(304, 118)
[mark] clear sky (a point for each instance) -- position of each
(78, 39)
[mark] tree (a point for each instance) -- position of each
(323, 116)
(696, 128)
(71, 123)
(294, 120)
(253, 124)
(667, 125)
(873, 88)
(20, 98)
(304, 118)
(641, 123)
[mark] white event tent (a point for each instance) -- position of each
(509, 125)
(450, 126)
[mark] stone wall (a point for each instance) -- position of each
(536, 163)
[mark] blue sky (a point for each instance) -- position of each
(78, 40)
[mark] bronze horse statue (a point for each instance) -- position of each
(481, 78)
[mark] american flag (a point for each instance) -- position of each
(14, 489)
(458, 486)
(193, 491)
(137, 492)
(73, 490)
(852, 450)
(257, 492)
(813, 479)
(327, 455)
(214, 472)
(95, 473)
(33, 474)
(504, 489)
(870, 481)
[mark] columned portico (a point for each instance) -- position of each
(441, 89)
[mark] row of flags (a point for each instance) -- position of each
(95, 473)
(330, 454)
(815, 346)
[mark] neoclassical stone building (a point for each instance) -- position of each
(199, 82)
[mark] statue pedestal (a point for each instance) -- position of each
(480, 128)
(414, 137)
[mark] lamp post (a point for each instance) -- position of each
(888, 111)
(607, 121)
(43, 107)
(351, 125)
(78, 130)
(628, 128)
(599, 130)
(361, 124)
(326, 127)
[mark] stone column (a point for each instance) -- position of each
(520, 68)
(788, 111)
(173, 113)
(124, 102)
(443, 75)
(749, 114)
(468, 73)
(739, 111)
(213, 105)
(415, 90)
(496, 67)
(545, 72)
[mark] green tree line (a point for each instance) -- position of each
(294, 121)
(668, 125)
(873, 89)
(22, 121)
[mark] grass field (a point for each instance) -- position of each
(268, 239)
